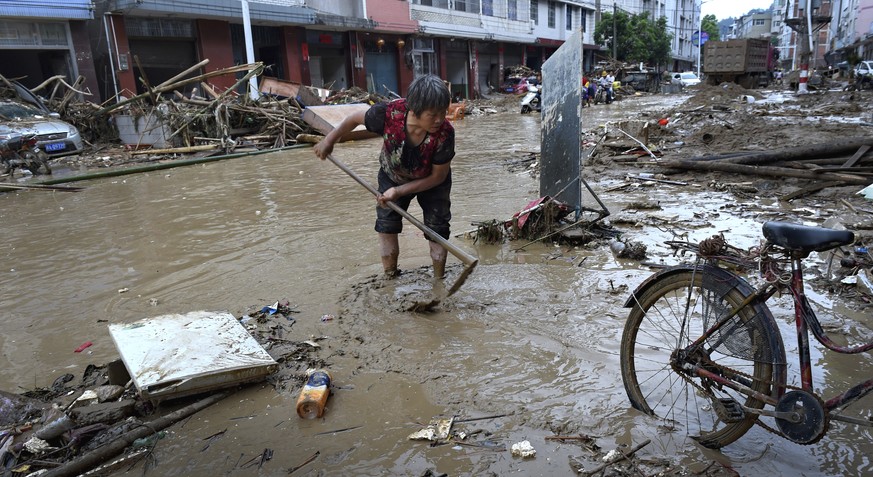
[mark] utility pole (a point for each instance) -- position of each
(614, 28)
(803, 28)
(250, 49)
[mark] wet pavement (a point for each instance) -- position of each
(530, 342)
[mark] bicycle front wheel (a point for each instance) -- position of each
(670, 312)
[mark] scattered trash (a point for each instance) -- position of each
(864, 282)
(437, 429)
(523, 449)
(123, 290)
(314, 395)
(83, 347)
(149, 441)
(612, 456)
(270, 309)
(327, 317)
(37, 446)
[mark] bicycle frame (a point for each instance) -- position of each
(805, 321)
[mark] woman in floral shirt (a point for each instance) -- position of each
(417, 149)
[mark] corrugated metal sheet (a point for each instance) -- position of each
(61, 10)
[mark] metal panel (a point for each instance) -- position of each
(561, 150)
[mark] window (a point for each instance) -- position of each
(552, 8)
(469, 6)
(759, 22)
(512, 12)
(488, 7)
(535, 11)
(433, 3)
(569, 22)
(582, 18)
(423, 56)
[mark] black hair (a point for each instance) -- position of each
(427, 92)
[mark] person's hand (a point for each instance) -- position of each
(387, 196)
(323, 149)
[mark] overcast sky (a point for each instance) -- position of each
(732, 8)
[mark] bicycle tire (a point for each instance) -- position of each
(656, 388)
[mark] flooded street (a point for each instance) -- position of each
(530, 343)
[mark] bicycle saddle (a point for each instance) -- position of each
(805, 239)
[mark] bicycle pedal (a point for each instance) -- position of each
(729, 410)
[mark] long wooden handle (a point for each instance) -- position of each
(454, 250)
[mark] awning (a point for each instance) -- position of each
(67, 10)
(260, 13)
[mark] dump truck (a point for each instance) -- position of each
(747, 62)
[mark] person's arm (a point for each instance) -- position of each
(437, 176)
(325, 146)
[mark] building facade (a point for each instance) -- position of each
(851, 31)
(40, 40)
(378, 45)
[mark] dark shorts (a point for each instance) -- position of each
(435, 204)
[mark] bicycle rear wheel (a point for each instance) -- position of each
(671, 311)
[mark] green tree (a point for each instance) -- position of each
(634, 38)
(710, 26)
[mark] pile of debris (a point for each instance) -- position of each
(187, 114)
(72, 427)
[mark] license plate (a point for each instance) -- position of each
(57, 146)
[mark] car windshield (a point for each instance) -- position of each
(10, 111)
(689, 76)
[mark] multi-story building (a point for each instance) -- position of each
(373, 44)
(39, 40)
(754, 25)
(851, 31)
(794, 17)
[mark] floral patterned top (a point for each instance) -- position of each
(406, 162)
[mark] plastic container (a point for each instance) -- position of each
(313, 397)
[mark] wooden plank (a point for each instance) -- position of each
(325, 118)
(290, 89)
(858, 155)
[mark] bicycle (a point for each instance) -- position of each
(700, 344)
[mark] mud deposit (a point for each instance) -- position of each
(526, 350)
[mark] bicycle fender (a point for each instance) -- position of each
(719, 274)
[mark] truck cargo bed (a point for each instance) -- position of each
(736, 56)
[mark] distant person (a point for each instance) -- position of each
(417, 149)
(586, 99)
(592, 90)
(607, 82)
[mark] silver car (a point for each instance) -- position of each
(55, 137)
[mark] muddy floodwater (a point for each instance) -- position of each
(530, 342)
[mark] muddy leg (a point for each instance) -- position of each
(389, 248)
(438, 254)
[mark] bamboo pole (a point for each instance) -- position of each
(102, 454)
(814, 151)
(779, 172)
(164, 165)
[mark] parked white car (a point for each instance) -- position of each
(864, 68)
(685, 79)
